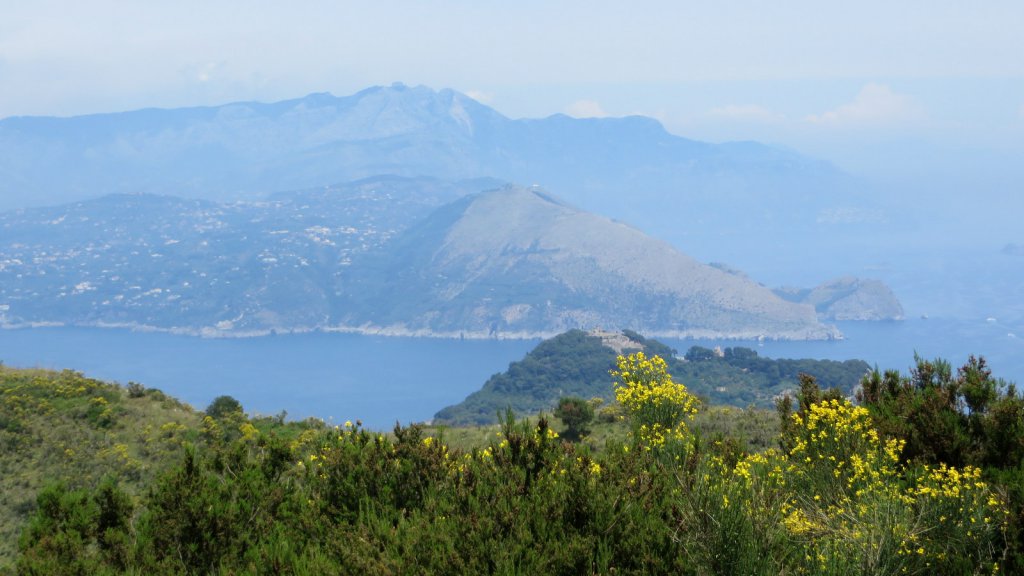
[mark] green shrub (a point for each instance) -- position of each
(223, 406)
(576, 413)
(135, 390)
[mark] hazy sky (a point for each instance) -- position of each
(888, 88)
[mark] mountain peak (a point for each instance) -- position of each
(519, 262)
(320, 99)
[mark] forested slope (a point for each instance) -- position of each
(577, 363)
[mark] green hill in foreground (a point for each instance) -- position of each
(922, 478)
(576, 363)
(64, 427)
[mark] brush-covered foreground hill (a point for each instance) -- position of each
(65, 427)
(343, 500)
(577, 363)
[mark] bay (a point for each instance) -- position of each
(383, 380)
(336, 377)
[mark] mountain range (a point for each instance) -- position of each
(685, 191)
(231, 220)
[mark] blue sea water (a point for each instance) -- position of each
(336, 377)
(381, 380)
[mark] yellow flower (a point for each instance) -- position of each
(657, 406)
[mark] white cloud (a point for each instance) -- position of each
(481, 96)
(746, 113)
(875, 104)
(208, 71)
(585, 109)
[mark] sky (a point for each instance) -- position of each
(892, 90)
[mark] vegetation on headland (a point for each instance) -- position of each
(576, 363)
(848, 489)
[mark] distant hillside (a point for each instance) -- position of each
(577, 363)
(385, 255)
(521, 262)
(571, 364)
(204, 267)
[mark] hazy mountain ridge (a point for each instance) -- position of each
(321, 259)
(631, 167)
(375, 256)
(238, 149)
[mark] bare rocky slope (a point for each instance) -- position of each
(849, 298)
(519, 262)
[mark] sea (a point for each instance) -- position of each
(382, 381)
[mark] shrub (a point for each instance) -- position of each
(136, 390)
(576, 413)
(657, 407)
(223, 406)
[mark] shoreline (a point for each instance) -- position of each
(398, 331)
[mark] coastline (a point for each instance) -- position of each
(827, 333)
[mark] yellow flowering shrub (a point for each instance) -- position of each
(856, 510)
(836, 500)
(248, 431)
(657, 407)
(837, 450)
